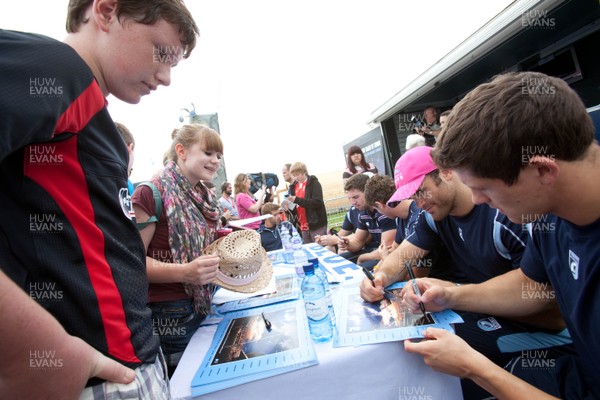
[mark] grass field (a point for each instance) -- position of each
(336, 212)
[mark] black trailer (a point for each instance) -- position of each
(557, 37)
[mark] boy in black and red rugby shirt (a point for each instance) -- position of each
(66, 235)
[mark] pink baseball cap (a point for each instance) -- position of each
(410, 170)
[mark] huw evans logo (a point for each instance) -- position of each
(166, 54)
(45, 87)
(44, 155)
(532, 290)
(538, 223)
(413, 393)
(44, 291)
(167, 327)
(44, 359)
(536, 359)
(161, 255)
(44, 223)
(528, 153)
(537, 19)
(537, 86)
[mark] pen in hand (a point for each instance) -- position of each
(415, 286)
(385, 293)
(343, 240)
(267, 322)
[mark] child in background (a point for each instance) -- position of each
(268, 230)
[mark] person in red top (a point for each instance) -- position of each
(306, 192)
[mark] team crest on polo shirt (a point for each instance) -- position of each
(488, 324)
(574, 264)
(126, 204)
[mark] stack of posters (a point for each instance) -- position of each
(254, 344)
(286, 289)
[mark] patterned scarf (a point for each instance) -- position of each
(193, 215)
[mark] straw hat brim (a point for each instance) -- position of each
(264, 274)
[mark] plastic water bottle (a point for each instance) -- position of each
(296, 238)
(315, 302)
(300, 258)
(288, 251)
(319, 272)
(323, 275)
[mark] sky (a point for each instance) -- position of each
(290, 80)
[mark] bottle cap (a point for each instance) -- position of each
(314, 261)
(308, 268)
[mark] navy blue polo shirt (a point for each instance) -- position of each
(483, 244)
(351, 219)
(375, 223)
(406, 227)
(568, 257)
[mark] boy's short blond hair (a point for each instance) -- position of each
(298, 168)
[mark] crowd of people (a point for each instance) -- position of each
(509, 242)
(526, 281)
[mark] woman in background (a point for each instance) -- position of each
(356, 163)
(247, 206)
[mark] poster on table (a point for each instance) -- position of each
(360, 322)
(246, 347)
(286, 289)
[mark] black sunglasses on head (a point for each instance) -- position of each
(393, 204)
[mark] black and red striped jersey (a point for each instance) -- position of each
(66, 235)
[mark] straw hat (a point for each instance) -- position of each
(244, 265)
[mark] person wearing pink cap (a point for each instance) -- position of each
(524, 143)
(482, 242)
(378, 191)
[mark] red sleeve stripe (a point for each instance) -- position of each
(81, 110)
(67, 185)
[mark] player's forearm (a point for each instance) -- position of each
(502, 385)
(392, 270)
(505, 295)
(394, 265)
(374, 255)
(355, 245)
(549, 318)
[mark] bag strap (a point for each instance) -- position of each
(157, 206)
